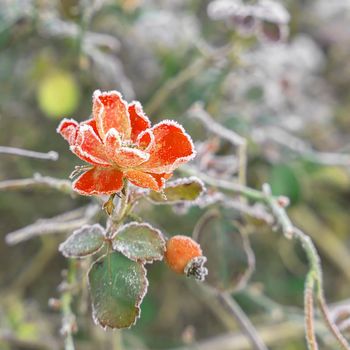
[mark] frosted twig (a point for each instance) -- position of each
(50, 226)
(295, 144)
(52, 155)
(37, 182)
(197, 111)
(191, 71)
(230, 305)
(309, 312)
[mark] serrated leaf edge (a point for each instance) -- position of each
(138, 301)
(61, 246)
(143, 261)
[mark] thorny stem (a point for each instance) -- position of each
(68, 318)
(290, 231)
(243, 320)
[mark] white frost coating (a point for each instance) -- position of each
(80, 140)
(143, 156)
(183, 181)
(74, 127)
(124, 248)
(171, 167)
(140, 112)
(93, 192)
(99, 120)
(65, 120)
(265, 9)
(221, 9)
(150, 145)
(137, 304)
(271, 11)
(78, 237)
(112, 134)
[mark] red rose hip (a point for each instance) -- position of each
(184, 256)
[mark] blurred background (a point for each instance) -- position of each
(277, 73)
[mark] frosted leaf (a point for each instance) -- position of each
(140, 242)
(85, 241)
(117, 287)
(179, 191)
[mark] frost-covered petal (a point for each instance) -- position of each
(147, 180)
(88, 146)
(172, 147)
(127, 157)
(68, 129)
(92, 123)
(145, 140)
(111, 111)
(138, 120)
(112, 143)
(99, 181)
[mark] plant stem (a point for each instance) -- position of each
(52, 155)
(230, 304)
(68, 318)
(309, 312)
(290, 231)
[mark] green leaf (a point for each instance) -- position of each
(181, 190)
(284, 181)
(85, 241)
(140, 242)
(230, 260)
(117, 286)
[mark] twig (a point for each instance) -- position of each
(37, 182)
(272, 334)
(309, 312)
(330, 324)
(52, 155)
(243, 321)
(290, 231)
(248, 192)
(49, 226)
(197, 111)
(295, 144)
(256, 211)
(192, 70)
(69, 325)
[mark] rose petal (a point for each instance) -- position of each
(110, 111)
(112, 142)
(138, 120)
(145, 140)
(68, 129)
(99, 181)
(92, 123)
(161, 178)
(146, 180)
(127, 157)
(172, 147)
(89, 147)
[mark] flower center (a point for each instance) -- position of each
(128, 143)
